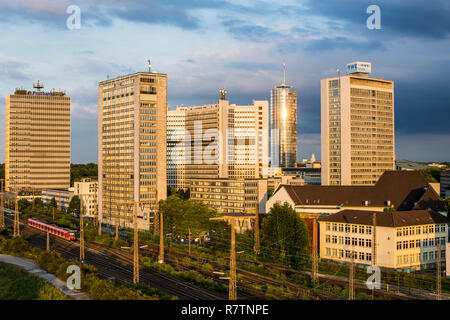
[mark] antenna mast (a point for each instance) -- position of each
(284, 71)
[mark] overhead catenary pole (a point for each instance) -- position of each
(161, 238)
(351, 278)
(315, 261)
(81, 230)
(438, 274)
(48, 241)
(135, 246)
(232, 291)
(189, 241)
(16, 232)
(257, 246)
(2, 204)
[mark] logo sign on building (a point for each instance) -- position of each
(362, 67)
(39, 93)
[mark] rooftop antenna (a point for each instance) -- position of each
(149, 66)
(38, 86)
(284, 71)
(223, 94)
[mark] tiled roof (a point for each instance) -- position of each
(387, 219)
(405, 190)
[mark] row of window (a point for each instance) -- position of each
(341, 254)
(347, 241)
(417, 257)
(401, 245)
(420, 230)
(340, 227)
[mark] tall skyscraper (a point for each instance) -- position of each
(131, 147)
(220, 140)
(283, 126)
(37, 148)
(176, 125)
(357, 121)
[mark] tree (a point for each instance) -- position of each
(74, 205)
(24, 204)
(447, 203)
(52, 203)
(38, 203)
(284, 236)
(180, 215)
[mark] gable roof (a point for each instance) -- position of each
(387, 219)
(406, 190)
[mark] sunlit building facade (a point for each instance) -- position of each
(132, 147)
(283, 127)
(37, 148)
(357, 127)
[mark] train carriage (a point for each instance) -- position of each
(54, 230)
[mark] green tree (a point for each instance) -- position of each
(284, 236)
(52, 203)
(2, 171)
(432, 175)
(447, 203)
(24, 204)
(74, 205)
(180, 215)
(38, 203)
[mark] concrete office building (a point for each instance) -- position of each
(357, 127)
(37, 148)
(176, 160)
(131, 147)
(220, 140)
(283, 126)
(404, 239)
(445, 184)
(88, 188)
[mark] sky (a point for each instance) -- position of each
(208, 45)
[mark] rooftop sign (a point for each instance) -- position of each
(359, 67)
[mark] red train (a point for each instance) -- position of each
(57, 231)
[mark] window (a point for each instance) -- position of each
(361, 242)
(354, 229)
(334, 252)
(368, 243)
(425, 243)
(405, 231)
(334, 239)
(327, 227)
(361, 229)
(399, 245)
(354, 242)
(368, 256)
(411, 231)
(341, 240)
(334, 227)
(417, 243)
(399, 232)
(347, 228)
(369, 230)
(425, 256)
(418, 229)
(425, 229)
(361, 256)
(327, 238)
(328, 252)
(399, 259)
(347, 240)
(430, 228)
(405, 245)
(341, 227)
(411, 243)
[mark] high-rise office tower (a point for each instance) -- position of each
(221, 140)
(37, 148)
(357, 127)
(176, 124)
(131, 147)
(283, 126)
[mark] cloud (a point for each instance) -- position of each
(416, 19)
(13, 69)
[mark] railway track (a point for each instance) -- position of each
(114, 263)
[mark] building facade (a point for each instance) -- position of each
(228, 196)
(62, 197)
(445, 184)
(217, 141)
(402, 239)
(283, 126)
(37, 148)
(176, 160)
(132, 147)
(87, 190)
(357, 128)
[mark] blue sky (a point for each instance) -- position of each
(207, 45)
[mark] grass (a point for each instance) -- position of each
(17, 284)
